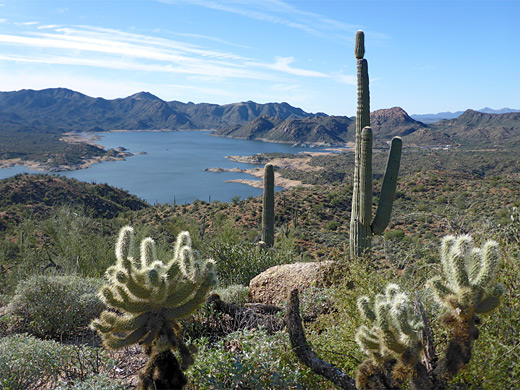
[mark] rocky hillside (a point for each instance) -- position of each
(386, 124)
(473, 128)
(331, 130)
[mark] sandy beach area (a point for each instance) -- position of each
(301, 163)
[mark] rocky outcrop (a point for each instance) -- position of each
(272, 286)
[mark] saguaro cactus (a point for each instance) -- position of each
(361, 227)
(150, 296)
(268, 206)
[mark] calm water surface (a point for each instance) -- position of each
(173, 167)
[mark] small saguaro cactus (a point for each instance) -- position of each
(393, 342)
(361, 227)
(149, 297)
(268, 207)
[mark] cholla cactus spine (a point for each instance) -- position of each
(465, 286)
(395, 326)
(151, 294)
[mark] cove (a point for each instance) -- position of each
(169, 166)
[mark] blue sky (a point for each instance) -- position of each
(424, 56)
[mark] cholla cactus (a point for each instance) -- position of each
(466, 285)
(395, 334)
(149, 296)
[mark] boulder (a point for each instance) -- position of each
(272, 286)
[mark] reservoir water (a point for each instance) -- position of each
(172, 168)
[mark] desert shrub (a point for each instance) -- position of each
(94, 382)
(239, 263)
(55, 306)
(72, 241)
(250, 360)
(28, 362)
(332, 225)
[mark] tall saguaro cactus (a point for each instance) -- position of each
(361, 227)
(268, 206)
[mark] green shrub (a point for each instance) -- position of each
(332, 225)
(394, 234)
(250, 360)
(94, 382)
(239, 263)
(27, 362)
(55, 306)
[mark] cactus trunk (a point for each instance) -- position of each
(268, 206)
(361, 229)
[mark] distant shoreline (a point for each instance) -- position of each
(298, 163)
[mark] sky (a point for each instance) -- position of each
(424, 56)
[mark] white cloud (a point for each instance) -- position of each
(113, 49)
(277, 12)
(346, 78)
(282, 65)
(26, 23)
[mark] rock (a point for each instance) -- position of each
(272, 286)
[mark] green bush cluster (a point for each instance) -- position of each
(54, 306)
(28, 362)
(250, 360)
(238, 263)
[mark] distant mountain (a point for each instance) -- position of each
(472, 128)
(505, 110)
(391, 122)
(214, 116)
(66, 110)
(432, 118)
(319, 129)
(385, 124)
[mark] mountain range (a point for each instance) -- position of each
(432, 118)
(67, 110)
(58, 110)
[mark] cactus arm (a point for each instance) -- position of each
(386, 200)
(489, 263)
(116, 342)
(268, 206)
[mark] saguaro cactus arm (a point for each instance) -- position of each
(268, 206)
(386, 200)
